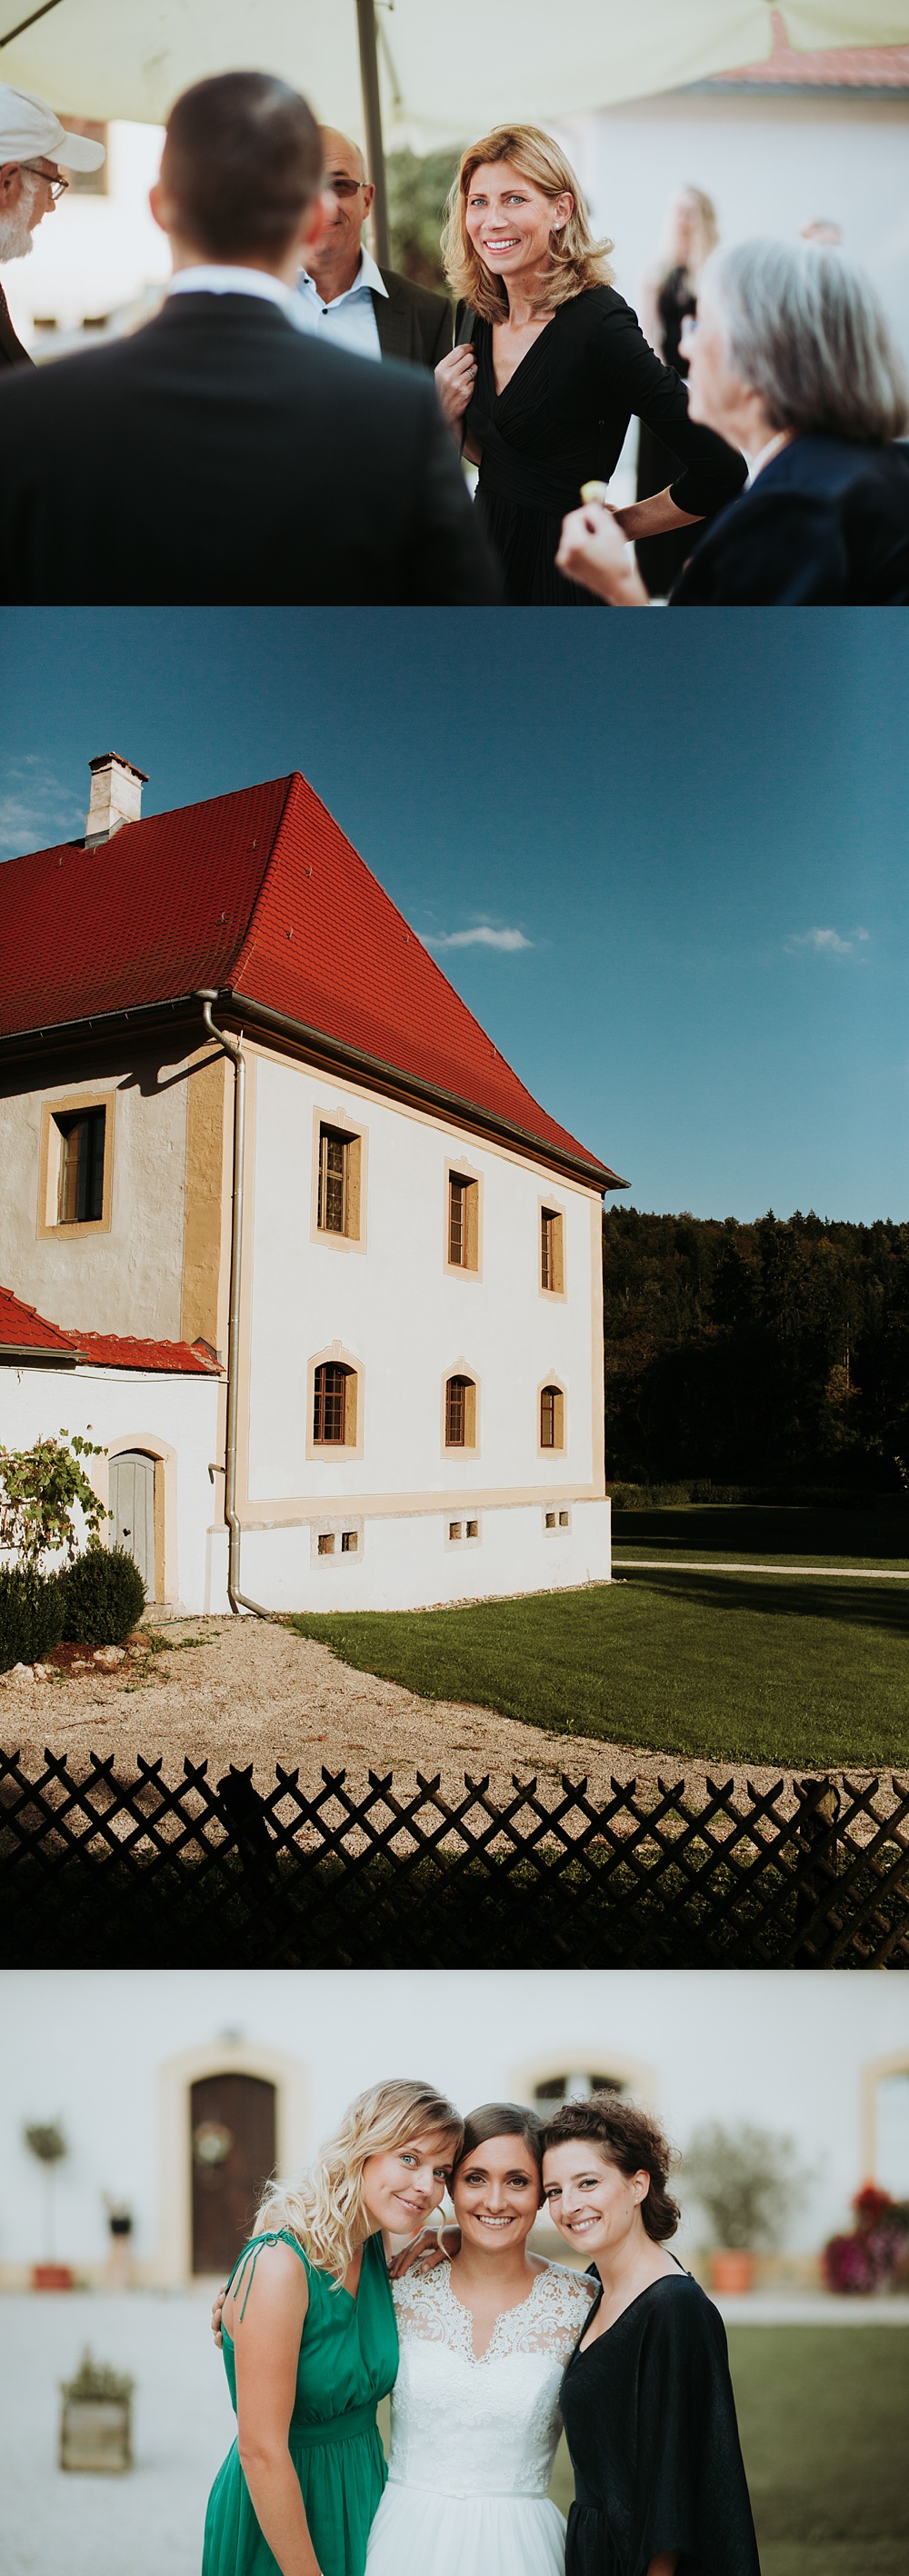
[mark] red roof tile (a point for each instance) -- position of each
(841, 67)
(23, 1329)
(261, 895)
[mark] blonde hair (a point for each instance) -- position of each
(576, 260)
(325, 2206)
(708, 227)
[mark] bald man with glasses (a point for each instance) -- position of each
(33, 143)
(344, 297)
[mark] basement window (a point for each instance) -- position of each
(326, 1542)
(80, 1191)
(339, 1183)
(350, 1540)
(550, 1520)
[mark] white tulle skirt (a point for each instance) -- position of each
(418, 2533)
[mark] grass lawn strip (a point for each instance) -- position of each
(773, 1565)
(738, 1668)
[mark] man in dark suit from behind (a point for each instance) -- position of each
(344, 297)
(220, 453)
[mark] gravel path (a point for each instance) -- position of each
(240, 1691)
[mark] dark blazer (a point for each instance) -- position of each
(12, 353)
(412, 323)
(825, 525)
(219, 454)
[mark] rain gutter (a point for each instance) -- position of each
(233, 1047)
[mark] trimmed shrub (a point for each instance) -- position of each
(31, 1615)
(103, 1595)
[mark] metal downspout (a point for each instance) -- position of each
(233, 1047)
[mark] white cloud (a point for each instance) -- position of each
(483, 936)
(36, 809)
(827, 943)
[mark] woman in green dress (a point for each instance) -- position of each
(310, 2342)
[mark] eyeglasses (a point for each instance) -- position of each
(688, 332)
(345, 187)
(57, 187)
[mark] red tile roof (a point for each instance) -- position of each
(258, 895)
(23, 1329)
(841, 67)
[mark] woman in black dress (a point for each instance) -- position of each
(646, 2400)
(668, 301)
(551, 364)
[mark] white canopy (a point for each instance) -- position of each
(448, 68)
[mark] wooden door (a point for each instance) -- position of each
(232, 2143)
(132, 1511)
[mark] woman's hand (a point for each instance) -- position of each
(433, 2246)
(594, 552)
(456, 375)
(216, 2314)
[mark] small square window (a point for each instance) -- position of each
(326, 1542)
(349, 1542)
(454, 1529)
(563, 1520)
(550, 1520)
(473, 1529)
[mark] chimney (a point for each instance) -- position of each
(116, 797)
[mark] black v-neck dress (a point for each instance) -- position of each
(650, 2421)
(561, 421)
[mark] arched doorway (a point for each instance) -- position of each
(131, 1493)
(232, 2146)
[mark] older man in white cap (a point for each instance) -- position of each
(33, 148)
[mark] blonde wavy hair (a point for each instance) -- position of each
(576, 260)
(325, 2206)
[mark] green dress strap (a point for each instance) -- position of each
(274, 2236)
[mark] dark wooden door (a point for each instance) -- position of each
(232, 2143)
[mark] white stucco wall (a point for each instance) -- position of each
(786, 2052)
(770, 162)
(174, 1418)
(126, 1278)
(390, 1305)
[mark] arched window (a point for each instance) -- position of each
(460, 1413)
(335, 1403)
(552, 1418)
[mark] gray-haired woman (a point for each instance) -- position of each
(792, 361)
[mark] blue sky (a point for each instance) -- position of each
(663, 856)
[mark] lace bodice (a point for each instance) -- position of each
(489, 2426)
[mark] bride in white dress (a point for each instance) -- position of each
(484, 2339)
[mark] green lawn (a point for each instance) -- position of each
(787, 1534)
(749, 1668)
(823, 2413)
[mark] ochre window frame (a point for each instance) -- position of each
(351, 1443)
(459, 1177)
(461, 1376)
(76, 1104)
(353, 1137)
(549, 1215)
(555, 1447)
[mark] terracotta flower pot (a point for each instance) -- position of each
(732, 2271)
(51, 2276)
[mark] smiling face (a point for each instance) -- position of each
(496, 2194)
(402, 2186)
(595, 2206)
(509, 221)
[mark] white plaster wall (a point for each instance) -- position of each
(85, 2047)
(403, 1317)
(408, 1562)
(770, 163)
(127, 1279)
(141, 1409)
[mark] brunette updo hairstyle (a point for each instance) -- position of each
(628, 2138)
(500, 2120)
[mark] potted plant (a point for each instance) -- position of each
(748, 2182)
(96, 2423)
(875, 2256)
(46, 2141)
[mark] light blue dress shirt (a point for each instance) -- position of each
(349, 320)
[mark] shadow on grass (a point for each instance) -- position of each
(794, 1597)
(743, 1529)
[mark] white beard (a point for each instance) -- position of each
(16, 240)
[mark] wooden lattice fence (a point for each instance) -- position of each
(96, 1869)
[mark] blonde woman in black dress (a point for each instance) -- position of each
(550, 366)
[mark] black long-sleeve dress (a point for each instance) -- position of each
(650, 2421)
(561, 421)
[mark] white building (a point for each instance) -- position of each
(393, 1249)
(176, 2094)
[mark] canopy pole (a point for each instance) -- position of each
(372, 110)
